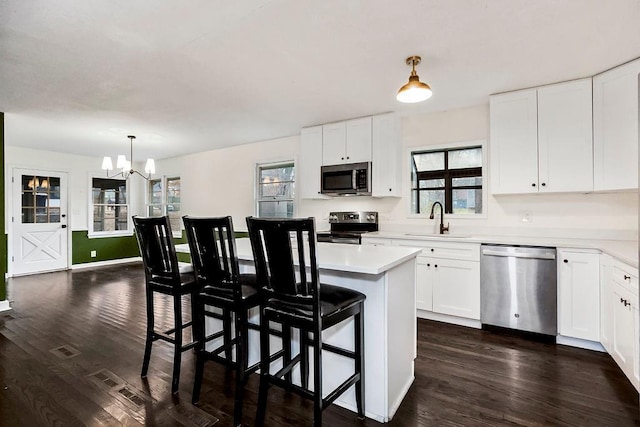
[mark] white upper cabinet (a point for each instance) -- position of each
(513, 147)
(541, 139)
(386, 154)
(309, 162)
(347, 142)
(358, 147)
(615, 128)
(565, 144)
(334, 143)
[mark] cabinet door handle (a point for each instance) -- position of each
(627, 277)
(621, 300)
(533, 185)
(435, 265)
(565, 261)
(544, 184)
(431, 249)
(428, 265)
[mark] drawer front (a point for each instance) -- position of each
(626, 276)
(376, 241)
(448, 250)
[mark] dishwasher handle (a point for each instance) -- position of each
(546, 255)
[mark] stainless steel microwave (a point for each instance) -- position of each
(344, 180)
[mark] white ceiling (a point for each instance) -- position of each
(189, 76)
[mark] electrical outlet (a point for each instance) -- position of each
(94, 254)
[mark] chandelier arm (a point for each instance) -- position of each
(115, 175)
(148, 178)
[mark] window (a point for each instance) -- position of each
(275, 192)
(163, 198)
(451, 176)
(110, 208)
(40, 199)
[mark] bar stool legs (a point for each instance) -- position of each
(150, 335)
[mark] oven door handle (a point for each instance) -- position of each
(354, 180)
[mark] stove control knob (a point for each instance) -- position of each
(371, 217)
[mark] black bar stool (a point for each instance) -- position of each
(215, 263)
(162, 275)
(296, 298)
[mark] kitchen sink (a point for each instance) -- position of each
(447, 236)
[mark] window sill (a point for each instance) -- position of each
(107, 234)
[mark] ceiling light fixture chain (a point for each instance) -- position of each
(126, 166)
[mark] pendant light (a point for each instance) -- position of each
(414, 90)
(125, 165)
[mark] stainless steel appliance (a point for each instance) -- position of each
(348, 227)
(353, 179)
(518, 287)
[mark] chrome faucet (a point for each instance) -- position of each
(443, 228)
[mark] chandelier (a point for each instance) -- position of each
(125, 166)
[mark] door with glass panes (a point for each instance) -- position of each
(39, 221)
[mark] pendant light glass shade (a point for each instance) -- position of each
(414, 90)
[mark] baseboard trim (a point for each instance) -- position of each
(461, 321)
(4, 305)
(580, 343)
(85, 265)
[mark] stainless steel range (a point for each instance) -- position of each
(348, 227)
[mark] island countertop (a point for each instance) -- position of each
(342, 257)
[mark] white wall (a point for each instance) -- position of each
(221, 182)
(79, 170)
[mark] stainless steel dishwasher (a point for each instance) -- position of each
(518, 287)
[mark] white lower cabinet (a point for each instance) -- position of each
(424, 284)
(456, 287)
(623, 299)
(579, 294)
(448, 286)
(606, 302)
(448, 277)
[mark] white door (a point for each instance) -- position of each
(39, 221)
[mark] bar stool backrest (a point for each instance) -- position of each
(213, 252)
(278, 246)
(157, 249)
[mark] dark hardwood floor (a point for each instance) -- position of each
(464, 377)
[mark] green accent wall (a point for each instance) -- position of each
(3, 234)
(109, 248)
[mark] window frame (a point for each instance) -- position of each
(256, 185)
(482, 143)
(116, 233)
(164, 199)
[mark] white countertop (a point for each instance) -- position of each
(624, 250)
(342, 257)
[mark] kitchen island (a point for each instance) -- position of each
(387, 276)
